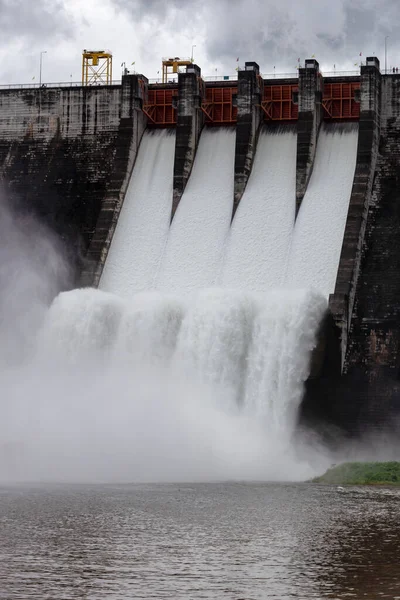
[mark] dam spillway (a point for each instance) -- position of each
(265, 248)
(141, 233)
(259, 240)
(201, 224)
(318, 232)
(293, 199)
(249, 340)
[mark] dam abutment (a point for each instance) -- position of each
(57, 147)
(372, 365)
(342, 301)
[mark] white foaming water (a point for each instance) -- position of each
(143, 223)
(260, 236)
(204, 390)
(279, 357)
(149, 329)
(81, 325)
(201, 224)
(214, 340)
(318, 234)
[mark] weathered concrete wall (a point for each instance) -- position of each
(367, 395)
(249, 96)
(342, 301)
(190, 121)
(373, 356)
(71, 111)
(308, 124)
(131, 128)
(57, 148)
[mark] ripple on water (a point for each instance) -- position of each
(236, 541)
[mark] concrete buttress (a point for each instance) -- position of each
(308, 124)
(190, 120)
(249, 94)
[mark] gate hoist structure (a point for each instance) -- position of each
(96, 67)
(171, 66)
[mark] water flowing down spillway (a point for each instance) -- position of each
(318, 234)
(143, 223)
(201, 224)
(261, 232)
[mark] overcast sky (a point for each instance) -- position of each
(271, 32)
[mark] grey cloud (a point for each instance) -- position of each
(154, 9)
(34, 20)
(277, 33)
(334, 43)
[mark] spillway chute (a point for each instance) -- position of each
(201, 223)
(143, 224)
(318, 233)
(259, 239)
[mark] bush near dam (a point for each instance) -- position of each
(362, 473)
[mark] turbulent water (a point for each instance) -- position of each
(254, 347)
(163, 387)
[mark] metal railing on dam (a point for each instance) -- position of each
(210, 78)
(53, 84)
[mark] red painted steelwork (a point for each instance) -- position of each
(218, 106)
(278, 104)
(339, 103)
(159, 107)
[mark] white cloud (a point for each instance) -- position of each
(271, 33)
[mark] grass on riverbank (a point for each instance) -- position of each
(362, 473)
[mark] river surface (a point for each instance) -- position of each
(228, 541)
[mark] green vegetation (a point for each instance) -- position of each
(362, 473)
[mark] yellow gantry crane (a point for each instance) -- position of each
(96, 67)
(172, 65)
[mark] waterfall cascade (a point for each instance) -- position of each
(252, 337)
(191, 358)
(251, 349)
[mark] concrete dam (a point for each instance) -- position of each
(272, 203)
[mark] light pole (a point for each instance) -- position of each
(40, 69)
(191, 58)
(386, 38)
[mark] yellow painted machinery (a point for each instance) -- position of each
(96, 67)
(172, 65)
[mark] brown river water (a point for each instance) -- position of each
(233, 541)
